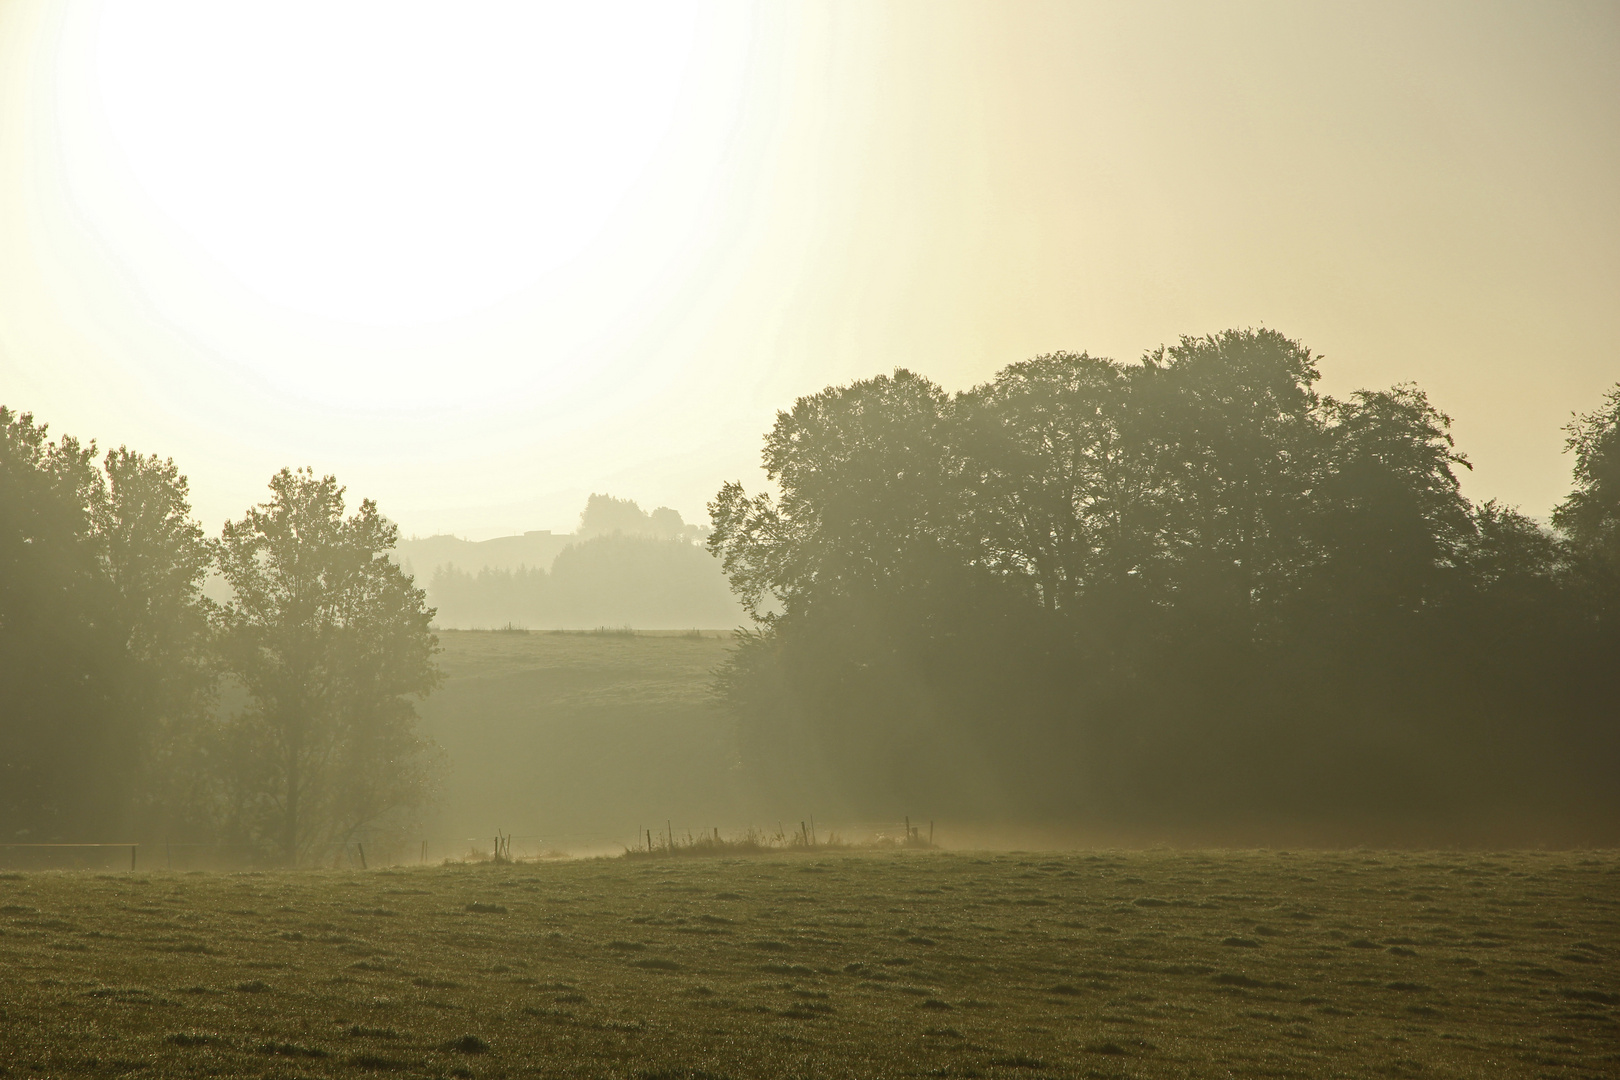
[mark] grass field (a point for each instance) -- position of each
(827, 964)
(581, 739)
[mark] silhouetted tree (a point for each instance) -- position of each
(157, 558)
(331, 641)
(1590, 517)
(1187, 586)
(605, 515)
(103, 638)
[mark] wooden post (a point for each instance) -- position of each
(812, 830)
(362, 849)
(424, 851)
(669, 832)
(132, 858)
(649, 841)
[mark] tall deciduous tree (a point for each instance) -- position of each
(103, 637)
(1591, 514)
(55, 647)
(331, 641)
(1190, 585)
(156, 558)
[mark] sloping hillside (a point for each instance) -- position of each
(423, 555)
(584, 739)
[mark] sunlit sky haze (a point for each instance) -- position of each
(480, 259)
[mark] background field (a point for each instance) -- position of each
(581, 740)
(827, 964)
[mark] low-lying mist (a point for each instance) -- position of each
(1189, 600)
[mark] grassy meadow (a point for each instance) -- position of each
(580, 739)
(827, 964)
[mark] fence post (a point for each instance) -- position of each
(132, 858)
(362, 849)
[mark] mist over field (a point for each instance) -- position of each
(622, 567)
(693, 539)
(1188, 599)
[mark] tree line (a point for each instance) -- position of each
(1186, 590)
(625, 567)
(133, 707)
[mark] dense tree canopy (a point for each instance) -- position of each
(103, 635)
(331, 640)
(1189, 587)
(1591, 514)
(111, 727)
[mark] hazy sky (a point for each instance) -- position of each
(479, 260)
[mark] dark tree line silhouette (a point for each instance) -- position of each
(1186, 590)
(134, 708)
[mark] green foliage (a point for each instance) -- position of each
(331, 641)
(103, 638)
(1591, 514)
(1186, 587)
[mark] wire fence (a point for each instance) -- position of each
(376, 852)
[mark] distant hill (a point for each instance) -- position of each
(624, 567)
(533, 549)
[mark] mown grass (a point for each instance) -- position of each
(829, 965)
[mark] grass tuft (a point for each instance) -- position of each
(468, 1044)
(191, 1038)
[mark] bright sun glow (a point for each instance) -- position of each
(381, 162)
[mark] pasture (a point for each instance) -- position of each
(826, 964)
(580, 740)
